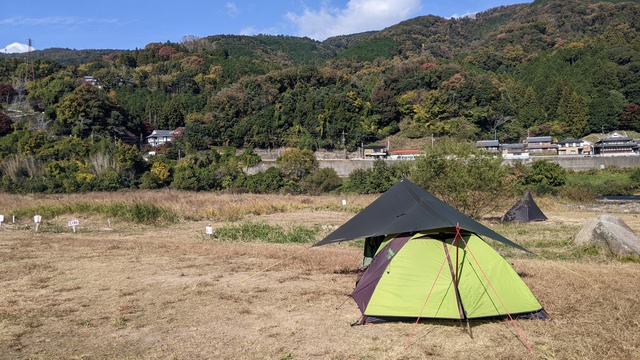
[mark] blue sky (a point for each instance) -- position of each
(131, 24)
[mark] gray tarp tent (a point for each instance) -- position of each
(407, 208)
(525, 210)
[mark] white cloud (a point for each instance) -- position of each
(54, 20)
(252, 30)
(471, 15)
(232, 9)
(248, 31)
(357, 16)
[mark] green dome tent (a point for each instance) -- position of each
(432, 262)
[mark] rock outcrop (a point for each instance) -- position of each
(610, 232)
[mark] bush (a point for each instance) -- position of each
(470, 180)
(580, 194)
(378, 179)
(110, 180)
(634, 176)
(266, 182)
(250, 231)
(545, 176)
(297, 164)
(614, 187)
(321, 181)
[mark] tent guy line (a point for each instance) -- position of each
(402, 277)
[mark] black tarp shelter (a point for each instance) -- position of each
(407, 208)
(525, 210)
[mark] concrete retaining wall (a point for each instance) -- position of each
(577, 163)
(583, 163)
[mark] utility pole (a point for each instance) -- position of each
(344, 148)
(29, 70)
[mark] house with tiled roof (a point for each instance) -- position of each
(160, 137)
(616, 144)
(541, 145)
(488, 145)
(573, 146)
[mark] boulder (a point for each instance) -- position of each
(609, 232)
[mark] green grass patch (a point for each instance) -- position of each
(611, 181)
(256, 231)
(140, 213)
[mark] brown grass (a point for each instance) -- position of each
(192, 205)
(171, 292)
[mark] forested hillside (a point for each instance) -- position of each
(564, 68)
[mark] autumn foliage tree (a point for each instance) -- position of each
(5, 124)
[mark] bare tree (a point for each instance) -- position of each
(193, 43)
(38, 122)
(496, 120)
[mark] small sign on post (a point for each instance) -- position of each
(73, 223)
(37, 219)
(209, 230)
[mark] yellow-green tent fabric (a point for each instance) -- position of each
(432, 263)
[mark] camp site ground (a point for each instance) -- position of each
(171, 292)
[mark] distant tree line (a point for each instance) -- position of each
(77, 121)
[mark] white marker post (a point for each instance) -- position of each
(1, 220)
(209, 231)
(344, 202)
(37, 219)
(73, 223)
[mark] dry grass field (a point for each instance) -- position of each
(169, 291)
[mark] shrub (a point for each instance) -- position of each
(545, 173)
(378, 179)
(581, 194)
(634, 176)
(266, 182)
(322, 180)
(251, 231)
(296, 164)
(466, 178)
(614, 187)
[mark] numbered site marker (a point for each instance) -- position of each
(73, 223)
(208, 230)
(37, 219)
(344, 202)
(1, 220)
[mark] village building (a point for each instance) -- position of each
(573, 146)
(160, 137)
(514, 151)
(374, 152)
(541, 145)
(489, 145)
(616, 144)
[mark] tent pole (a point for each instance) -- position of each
(456, 241)
(455, 282)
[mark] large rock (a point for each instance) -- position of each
(610, 232)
